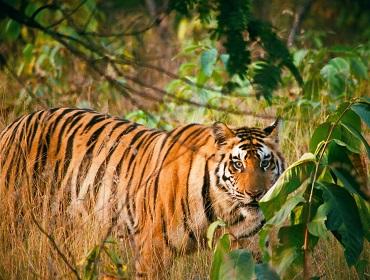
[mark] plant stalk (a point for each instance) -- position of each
(306, 253)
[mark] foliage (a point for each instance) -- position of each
(91, 268)
(324, 191)
(239, 29)
(234, 264)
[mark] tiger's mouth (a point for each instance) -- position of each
(251, 205)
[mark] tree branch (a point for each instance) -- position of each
(298, 19)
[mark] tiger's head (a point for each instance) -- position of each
(248, 164)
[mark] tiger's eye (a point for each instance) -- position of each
(265, 163)
(238, 165)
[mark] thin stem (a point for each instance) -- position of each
(314, 179)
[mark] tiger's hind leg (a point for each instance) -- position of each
(153, 256)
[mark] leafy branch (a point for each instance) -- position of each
(322, 150)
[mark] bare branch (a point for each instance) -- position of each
(298, 19)
(154, 23)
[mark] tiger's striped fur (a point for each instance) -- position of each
(165, 188)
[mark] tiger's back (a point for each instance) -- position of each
(164, 188)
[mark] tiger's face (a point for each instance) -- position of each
(249, 163)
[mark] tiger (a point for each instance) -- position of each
(163, 187)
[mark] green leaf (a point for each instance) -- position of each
(222, 248)
(341, 65)
(359, 136)
(341, 165)
(317, 225)
(336, 72)
(359, 69)
(288, 255)
(283, 213)
(343, 220)
(361, 266)
(364, 211)
(363, 111)
(238, 265)
(90, 270)
(348, 127)
(207, 61)
(265, 272)
(320, 134)
(266, 79)
(12, 30)
(211, 231)
(292, 178)
(225, 59)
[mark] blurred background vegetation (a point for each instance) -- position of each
(164, 63)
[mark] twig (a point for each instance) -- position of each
(69, 14)
(55, 246)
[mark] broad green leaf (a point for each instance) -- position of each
(340, 164)
(359, 136)
(293, 236)
(343, 133)
(317, 225)
(263, 241)
(336, 72)
(264, 272)
(284, 258)
(237, 265)
(343, 220)
(359, 69)
(207, 61)
(363, 111)
(283, 213)
(298, 56)
(291, 179)
(364, 211)
(321, 134)
(222, 248)
(288, 255)
(12, 30)
(211, 231)
(341, 65)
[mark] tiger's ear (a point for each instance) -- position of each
(221, 132)
(272, 131)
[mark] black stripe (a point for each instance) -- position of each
(32, 128)
(94, 120)
(207, 203)
(69, 150)
(65, 123)
(167, 241)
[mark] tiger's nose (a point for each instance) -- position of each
(256, 195)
